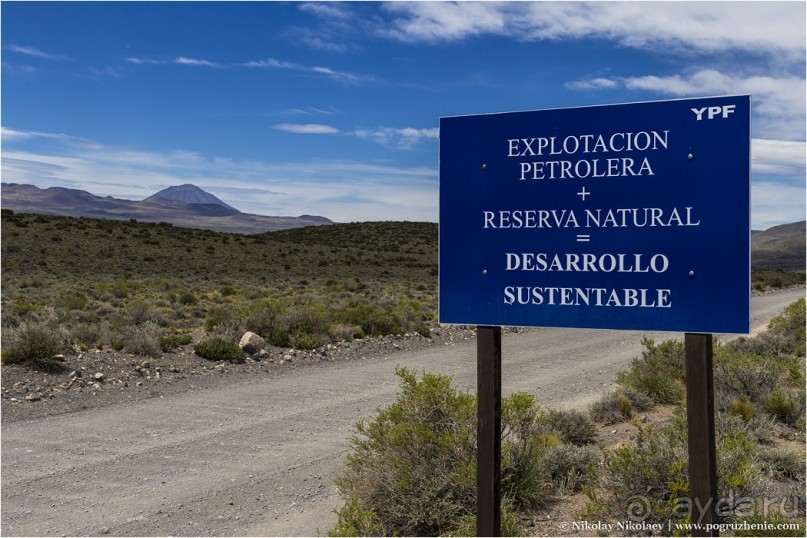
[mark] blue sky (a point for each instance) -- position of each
(286, 108)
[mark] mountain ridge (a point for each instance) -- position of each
(208, 213)
(780, 247)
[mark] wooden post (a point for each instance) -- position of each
(701, 432)
(488, 430)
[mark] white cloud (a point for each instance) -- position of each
(450, 21)
(195, 61)
(598, 83)
(10, 134)
(779, 157)
(767, 27)
(272, 63)
(306, 128)
(398, 138)
(143, 61)
(333, 74)
(778, 103)
(341, 190)
(775, 203)
(35, 53)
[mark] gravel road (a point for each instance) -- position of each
(258, 458)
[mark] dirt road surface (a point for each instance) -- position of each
(259, 458)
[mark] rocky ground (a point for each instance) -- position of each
(105, 377)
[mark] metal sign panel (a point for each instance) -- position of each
(632, 216)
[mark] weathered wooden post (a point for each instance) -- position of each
(488, 430)
(701, 432)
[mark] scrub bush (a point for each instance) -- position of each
(141, 339)
(412, 469)
(571, 426)
(658, 374)
(219, 349)
(613, 408)
(171, 341)
(32, 344)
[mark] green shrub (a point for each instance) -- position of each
(140, 312)
(413, 464)
(373, 320)
(308, 324)
(571, 426)
(74, 300)
(613, 408)
(655, 468)
(412, 469)
(263, 317)
(188, 298)
(658, 374)
(509, 522)
(743, 407)
(571, 467)
(353, 520)
(304, 340)
(786, 405)
(32, 344)
(219, 349)
(87, 335)
(216, 317)
(744, 375)
(783, 465)
(789, 328)
(141, 339)
(760, 525)
(785, 335)
(227, 291)
(169, 342)
(738, 468)
(759, 428)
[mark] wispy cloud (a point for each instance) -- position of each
(759, 27)
(344, 77)
(338, 26)
(9, 135)
(311, 111)
(398, 138)
(333, 74)
(195, 61)
(779, 157)
(180, 60)
(306, 128)
(342, 190)
(35, 53)
(144, 61)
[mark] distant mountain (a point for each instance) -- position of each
(780, 247)
(190, 194)
(186, 206)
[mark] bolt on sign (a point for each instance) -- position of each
(632, 216)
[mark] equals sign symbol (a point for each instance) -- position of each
(583, 238)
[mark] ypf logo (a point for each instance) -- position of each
(713, 112)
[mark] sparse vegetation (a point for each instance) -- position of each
(759, 400)
(412, 468)
(33, 344)
(219, 349)
(302, 287)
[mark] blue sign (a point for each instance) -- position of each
(632, 216)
